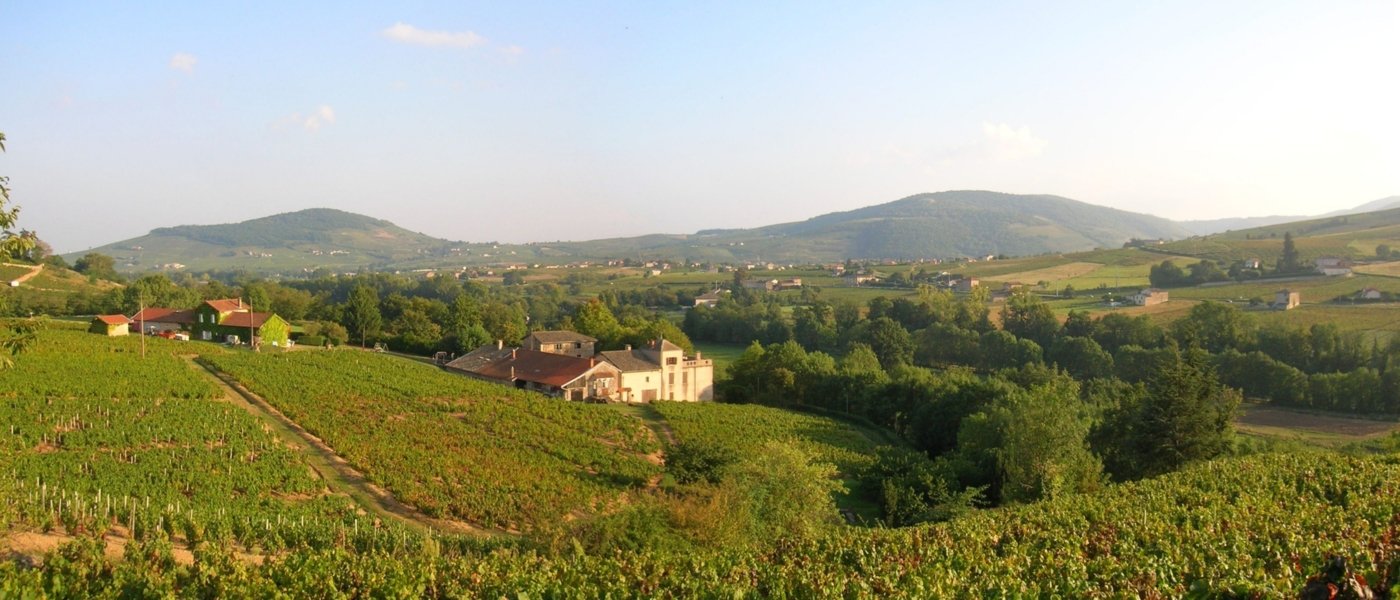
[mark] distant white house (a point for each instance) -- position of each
(1333, 267)
(1149, 297)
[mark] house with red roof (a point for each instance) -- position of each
(560, 375)
(156, 320)
(110, 325)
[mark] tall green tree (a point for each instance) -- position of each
(362, 314)
(1026, 316)
(1186, 416)
(1288, 263)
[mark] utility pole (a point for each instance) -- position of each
(141, 320)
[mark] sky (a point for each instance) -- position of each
(542, 121)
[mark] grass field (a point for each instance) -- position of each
(722, 354)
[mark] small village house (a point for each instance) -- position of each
(661, 371)
(154, 320)
(232, 319)
(110, 325)
(1286, 300)
(568, 343)
(967, 283)
(710, 298)
(1149, 297)
(1369, 293)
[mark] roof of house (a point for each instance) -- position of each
(666, 345)
(715, 295)
(246, 319)
(546, 368)
(560, 336)
(630, 361)
(480, 357)
(155, 314)
(226, 305)
(113, 319)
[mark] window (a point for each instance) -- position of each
(671, 361)
(672, 379)
(685, 377)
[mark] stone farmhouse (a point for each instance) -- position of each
(553, 362)
(1149, 297)
(1286, 299)
(554, 374)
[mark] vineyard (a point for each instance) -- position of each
(95, 439)
(73, 364)
(1252, 528)
(454, 447)
(742, 428)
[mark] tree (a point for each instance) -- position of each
(1383, 250)
(1027, 316)
(1186, 416)
(362, 312)
(1044, 453)
(1213, 326)
(1166, 274)
(1288, 263)
(786, 493)
(97, 266)
(11, 244)
(890, 341)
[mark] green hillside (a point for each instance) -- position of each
(1352, 236)
(940, 225)
(307, 239)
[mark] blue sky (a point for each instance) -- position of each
(528, 121)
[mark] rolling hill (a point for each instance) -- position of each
(307, 239)
(1212, 226)
(1352, 236)
(943, 225)
(938, 225)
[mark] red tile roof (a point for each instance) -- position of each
(154, 314)
(227, 305)
(113, 319)
(245, 319)
(555, 370)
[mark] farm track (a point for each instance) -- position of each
(337, 472)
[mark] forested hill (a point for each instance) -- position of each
(316, 237)
(938, 225)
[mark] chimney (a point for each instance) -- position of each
(697, 355)
(500, 344)
(512, 357)
(629, 347)
(512, 373)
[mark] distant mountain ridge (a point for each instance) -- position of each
(950, 224)
(1210, 226)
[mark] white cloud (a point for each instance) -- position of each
(184, 61)
(408, 34)
(511, 50)
(1009, 143)
(322, 116)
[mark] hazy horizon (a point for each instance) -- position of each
(541, 122)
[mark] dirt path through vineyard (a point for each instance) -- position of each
(337, 472)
